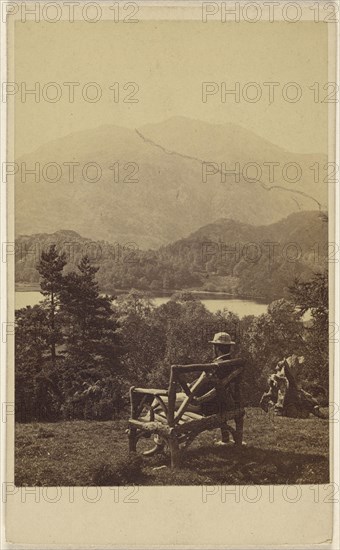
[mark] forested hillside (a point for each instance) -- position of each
(227, 255)
(77, 352)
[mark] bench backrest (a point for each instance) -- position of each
(232, 367)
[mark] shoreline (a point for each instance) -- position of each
(208, 293)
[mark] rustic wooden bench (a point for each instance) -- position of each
(174, 419)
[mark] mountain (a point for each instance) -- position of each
(159, 194)
(227, 255)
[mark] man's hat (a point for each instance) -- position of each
(222, 338)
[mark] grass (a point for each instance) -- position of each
(279, 451)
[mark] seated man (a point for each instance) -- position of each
(222, 345)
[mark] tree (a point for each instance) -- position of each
(37, 395)
(184, 296)
(50, 270)
(155, 285)
(142, 337)
(312, 297)
(137, 302)
(185, 326)
(91, 367)
(266, 339)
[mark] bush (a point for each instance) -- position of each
(104, 403)
(125, 471)
(44, 433)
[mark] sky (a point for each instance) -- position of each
(169, 60)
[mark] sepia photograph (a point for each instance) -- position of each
(171, 184)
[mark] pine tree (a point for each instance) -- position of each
(50, 269)
(86, 313)
(91, 360)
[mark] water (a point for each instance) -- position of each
(23, 299)
(213, 303)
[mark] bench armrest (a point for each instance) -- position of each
(147, 391)
(207, 367)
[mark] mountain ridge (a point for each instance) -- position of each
(166, 197)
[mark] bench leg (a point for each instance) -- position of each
(174, 451)
(132, 440)
(225, 435)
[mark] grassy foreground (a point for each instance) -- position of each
(278, 451)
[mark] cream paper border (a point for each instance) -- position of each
(148, 517)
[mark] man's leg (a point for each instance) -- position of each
(225, 435)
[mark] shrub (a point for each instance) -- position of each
(44, 433)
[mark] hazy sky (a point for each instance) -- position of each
(169, 61)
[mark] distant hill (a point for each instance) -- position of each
(169, 198)
(227, 255)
